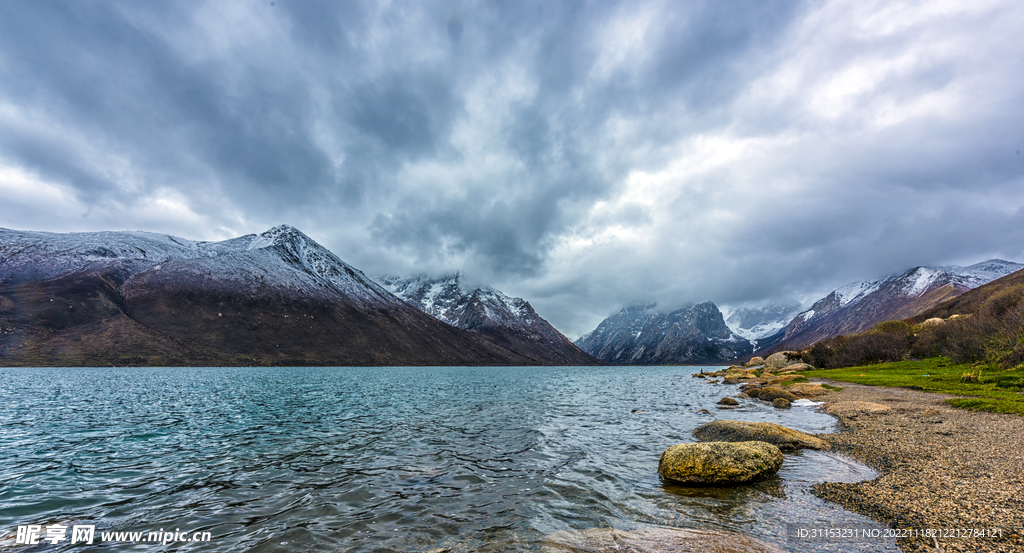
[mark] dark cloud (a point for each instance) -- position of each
(582, 155)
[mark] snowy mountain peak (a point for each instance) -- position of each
(760, 321)
(297, 260)
(445, 298)
(640, 334)
(860, 305)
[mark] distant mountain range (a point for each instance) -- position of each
(702, 334)
(277, 298)
(501, 319)
(858, 306)
(642, 335)
(761, 323)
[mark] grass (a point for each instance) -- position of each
(999, 391)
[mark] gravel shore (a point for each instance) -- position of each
(941, 467)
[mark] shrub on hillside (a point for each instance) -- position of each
(889, 341)
(993, 336)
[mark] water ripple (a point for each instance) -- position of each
(380, 459)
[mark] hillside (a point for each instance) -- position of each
(277, 298)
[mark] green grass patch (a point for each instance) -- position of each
(794, 381)
(998, 391)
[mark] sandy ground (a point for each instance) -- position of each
(942, 468)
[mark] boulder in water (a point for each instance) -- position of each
(786, 439)
(719, 463)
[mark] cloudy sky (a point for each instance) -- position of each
(583, 155)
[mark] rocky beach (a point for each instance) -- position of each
(951, 479)
(942, 468)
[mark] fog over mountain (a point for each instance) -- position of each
(585, 157)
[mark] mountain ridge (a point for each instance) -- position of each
(276, 298)
(502, 319)
(860, 305)
(641, 335)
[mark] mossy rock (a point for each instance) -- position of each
(719, 463)
(784, 438)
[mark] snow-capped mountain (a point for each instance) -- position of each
(297, 262)
(275, 298)
(641, 335)
(858, 306)
(503, 319)
(760, 322)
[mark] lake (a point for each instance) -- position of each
(383, 458)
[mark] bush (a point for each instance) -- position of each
(994, 337)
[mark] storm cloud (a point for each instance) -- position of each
(583, 155)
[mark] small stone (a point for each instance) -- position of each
(780, 403)
(728, 401)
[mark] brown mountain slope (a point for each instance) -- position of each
(968, 302)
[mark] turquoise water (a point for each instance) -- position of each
(382, 459)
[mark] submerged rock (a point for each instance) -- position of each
(654, 540)
(786, 439)
(728, 401)
(720, 463)
(781, 403)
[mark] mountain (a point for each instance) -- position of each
(277, 298)
(501, 319)
(969, 302)
(640, 335)
(859, 306)
(760, 323)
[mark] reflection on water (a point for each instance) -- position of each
(383, 459)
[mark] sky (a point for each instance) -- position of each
(585, 156)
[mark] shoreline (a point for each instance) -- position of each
(940, 467)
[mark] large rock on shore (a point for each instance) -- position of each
(807, 390)
(786, 439)
(769, 393)
(654, 540)
(720, 463)
(781, 360)
(796, 367)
